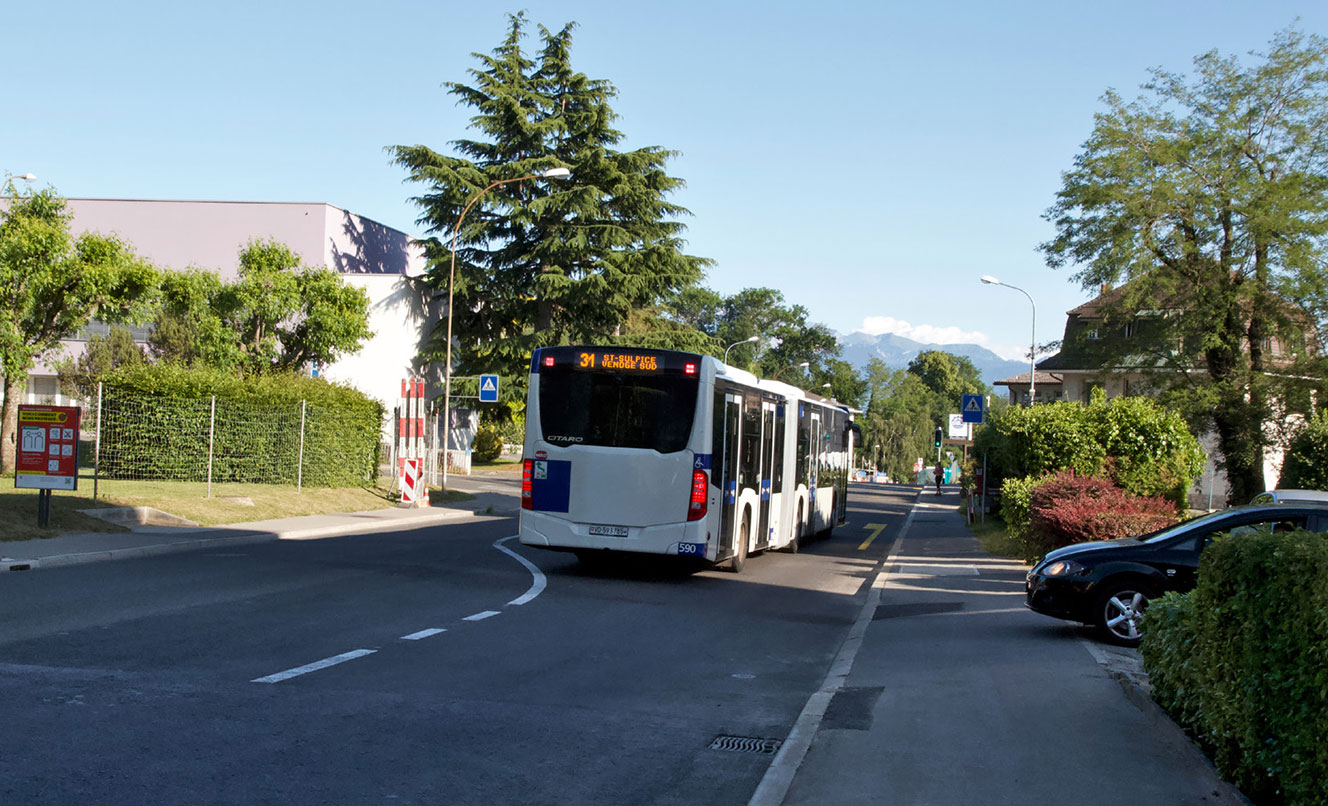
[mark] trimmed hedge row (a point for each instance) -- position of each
(156, 422)
(1242, 663)
(1140, 446)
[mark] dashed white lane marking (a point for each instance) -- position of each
(536, 587)
(415, 636)
(315, 666)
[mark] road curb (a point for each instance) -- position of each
(1138, 696)
(240, 536)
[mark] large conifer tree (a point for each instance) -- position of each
(543, 262)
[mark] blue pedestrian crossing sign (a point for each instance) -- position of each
(488, 388)
(972, 408)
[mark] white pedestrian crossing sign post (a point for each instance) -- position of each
(972, 408)
(488, 388)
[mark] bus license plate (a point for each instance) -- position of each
(692, 549)
(609, 531)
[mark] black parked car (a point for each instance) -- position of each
(1109, 583)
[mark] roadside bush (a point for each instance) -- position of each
(1016, 499)
(1306, 463)
(1032, 441)
(1244, 663)
(1169, 655)
(1142, 447)
(1066, 509)
(1147, 450)
(488, 444)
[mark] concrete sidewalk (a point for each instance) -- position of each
(490, 498)
(948, 691)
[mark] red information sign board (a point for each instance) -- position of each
(47, 447)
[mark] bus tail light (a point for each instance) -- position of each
(696, 509)
(527, 473)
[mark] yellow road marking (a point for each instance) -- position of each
(875, 530)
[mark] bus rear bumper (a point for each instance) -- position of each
(686, 538)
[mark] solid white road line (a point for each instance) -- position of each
(415, 636)
(778, 777)
(315, 666)
(536, 587)
(481, 616)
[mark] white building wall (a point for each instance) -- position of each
(383, 261)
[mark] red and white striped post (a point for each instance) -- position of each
(410, 444)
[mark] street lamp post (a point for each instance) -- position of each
(804, 365)
(751, 340)
(9, 180)
(451, 283)
(1032, 349)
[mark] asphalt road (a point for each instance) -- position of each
(429, 666)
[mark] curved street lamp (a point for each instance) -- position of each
(1032, 349)
(551, 173)
(751, 340)
(9, 181)
(804, 365)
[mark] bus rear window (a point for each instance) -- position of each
(634, 411)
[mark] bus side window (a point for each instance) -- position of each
(748, 472)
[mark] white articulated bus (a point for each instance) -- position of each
(665, 452)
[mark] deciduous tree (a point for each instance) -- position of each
(1210, 196)
(279, 315)
(52, 283)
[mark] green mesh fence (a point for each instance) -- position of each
(152, 438)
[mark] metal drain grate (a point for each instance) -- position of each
(746, 744)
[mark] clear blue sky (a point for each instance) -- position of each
(869, 160)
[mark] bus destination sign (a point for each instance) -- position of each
(630, 362)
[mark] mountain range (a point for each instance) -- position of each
(896, 351)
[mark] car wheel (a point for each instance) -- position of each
(1120, 611)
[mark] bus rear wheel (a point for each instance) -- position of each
(740, 550)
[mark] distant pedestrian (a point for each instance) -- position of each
(940, 475)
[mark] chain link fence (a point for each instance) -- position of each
(144, 437)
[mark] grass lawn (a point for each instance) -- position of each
(512, 466)
(991, 533)
(229, 503)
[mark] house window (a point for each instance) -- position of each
(1091, 334)
(1130, 328)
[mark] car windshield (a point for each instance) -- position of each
(1183, 528)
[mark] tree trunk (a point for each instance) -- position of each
(9, 424)
(1242, 452)
(1239, 416)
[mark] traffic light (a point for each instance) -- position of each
(937, 434)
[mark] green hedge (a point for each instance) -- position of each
(1142, 447)
(1242, 663)
(156, 422)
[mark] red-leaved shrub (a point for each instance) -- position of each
(1073, 509)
